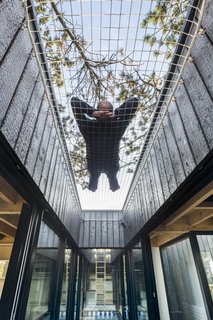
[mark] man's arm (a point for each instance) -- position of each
(80, 108)
(127, 110)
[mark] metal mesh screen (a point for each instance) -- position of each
(112, 50)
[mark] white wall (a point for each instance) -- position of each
(159, 279)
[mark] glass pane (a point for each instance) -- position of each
(182, 285)
(99, 293)
(65, 284)
(10, 210)
(140, 284)
(44, 270)
(206, 249)
(118, 287)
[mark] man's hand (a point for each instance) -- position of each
(103, 114)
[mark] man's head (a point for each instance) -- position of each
(105, 106)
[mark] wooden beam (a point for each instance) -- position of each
(205, 205)
(180, 228)
(10, 219)
(196, 217)
(174, 228)
(6, 240)
(162, 239)
(7, 230)
(192, 203)
(7, 193)
(10, 208)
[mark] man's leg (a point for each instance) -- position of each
(113, 181)
(93, 182)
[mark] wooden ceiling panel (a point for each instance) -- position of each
(195, 215)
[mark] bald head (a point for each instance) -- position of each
(105, 106)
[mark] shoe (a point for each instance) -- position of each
(113, 182)
(93, 183)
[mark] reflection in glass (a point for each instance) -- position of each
(10, 211)
(44, 270)
(140, 284)
(65, 284)
(206, 250)
(182, 285)
(100, 287)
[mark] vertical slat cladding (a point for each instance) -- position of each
(153, 184)
(192, 126)
(158, 184)
(60, 198)
(116, 229)
(98, 232)
(44, 157)
(202, 55)
(50, 169)
(181, 139)
(167, 163)
(110, 233)
(81, 232)
(104, 229)
(12, 9)
(61, 210)
(136, 207)
(207, 22)
(38, 134)
(174, 152)
(86, 230)
(28, 123)
(143, 208)
(139, 208)
(104, 232)
(53, 186)
(24, 108)
(55, 180)
(121, 232)
(149, 191)
(202, 101)
(18, 106)
(161, 169)
(92, 229)
(57, 191)
(186, 135)
(13, 64)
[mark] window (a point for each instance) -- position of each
(206, 250)
(184, 295)
(10, 208)
(44, 272)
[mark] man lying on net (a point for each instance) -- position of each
(102, 129)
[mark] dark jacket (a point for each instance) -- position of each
(103, 137)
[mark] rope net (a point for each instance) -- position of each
(116, 51)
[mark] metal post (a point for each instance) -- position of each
(151, 293)
(72, 286)
(131, 291)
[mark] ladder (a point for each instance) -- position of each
(100, 280)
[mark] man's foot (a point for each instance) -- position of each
(93, 183)
(113, 182)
